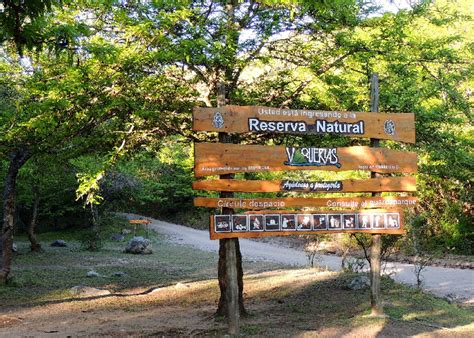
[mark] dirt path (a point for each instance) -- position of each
(456, 284)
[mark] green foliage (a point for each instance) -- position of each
(91, 241)
(103, 85)
(53, 181)
(162, 183)
(22, 21)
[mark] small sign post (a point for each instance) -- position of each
(229, 245)
(376, 249)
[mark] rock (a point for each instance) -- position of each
(181, 286)
(117, 237)
(87, 291)
(156, 290)
(138, 245)
(92, 274)
(452, 298)
(14, 247)
(119, 274)
(59, 243)
(359, 283)
(126, 232)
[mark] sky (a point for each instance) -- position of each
(394, 6)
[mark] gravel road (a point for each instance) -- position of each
(455, 284)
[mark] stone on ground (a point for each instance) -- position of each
(92, 274)
(14, 247)
(359, 283)
(87, 291)
(181, 286)
(139, 245)
(59, 243)
(117, 237)
(119, 274)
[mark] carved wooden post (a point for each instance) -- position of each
(232, 287)
(376, 249)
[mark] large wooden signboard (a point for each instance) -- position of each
(292, 202)
(286, 223)
(387, 184)
(243, 119)
(218, 159)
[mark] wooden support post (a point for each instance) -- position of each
(232, 293)
(232, 286)
(376, 249)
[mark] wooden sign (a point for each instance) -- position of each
(220, 158)
(244, 119)
(388, 184)
(292, 202)
(286, 223)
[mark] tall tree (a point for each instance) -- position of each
(222, 42)
(80, 92)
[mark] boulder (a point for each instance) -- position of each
(117, 237)
(14, 247)
(126, 232)
(87, 291)
(138, 245)
(181, 286)
(92, 274)
(119, 274)
(359, 283)
(59, 243)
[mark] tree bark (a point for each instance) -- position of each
(34, 244)
(222, 277)
(230, 257)
(17, 159)
(223, 306)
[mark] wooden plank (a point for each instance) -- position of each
(288, 223)
(385, 184)
(219, 158)
(256, 119)
(292, 202)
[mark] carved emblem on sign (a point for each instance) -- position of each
(218, 120)
(389, 127)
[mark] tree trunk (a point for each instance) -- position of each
(17, 160)
(222, 276)
(222, 308)
(94, 243)
(34, 244)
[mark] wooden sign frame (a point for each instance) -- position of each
(381, 184)
(305, 223)
(220, 158)
(257, 119)
(301, 202)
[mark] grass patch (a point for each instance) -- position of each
(49, 275)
